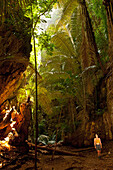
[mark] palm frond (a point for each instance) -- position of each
(45, 100)
(76, 25)
(61, 3)
(67, 12)
(63, 43)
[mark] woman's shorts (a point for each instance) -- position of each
(98, 147)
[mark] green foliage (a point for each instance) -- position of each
(44, 100)
(63, 43)
(61, 72)
(44, 41)
(68, 8)
(44, 5)
(60, 48)
(42, 127)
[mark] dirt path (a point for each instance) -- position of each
(87, 160)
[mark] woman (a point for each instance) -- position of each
(98, 145)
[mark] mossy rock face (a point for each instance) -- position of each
(14, 58)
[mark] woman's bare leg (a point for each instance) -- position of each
(99, 152)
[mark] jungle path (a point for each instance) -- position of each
(85, 160)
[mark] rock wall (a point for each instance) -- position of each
(102, 124)
(99, 121)
(15, 50)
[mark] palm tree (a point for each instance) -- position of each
(60, 72)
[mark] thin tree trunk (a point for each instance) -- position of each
(36, 99)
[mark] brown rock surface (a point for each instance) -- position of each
(14, 58)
